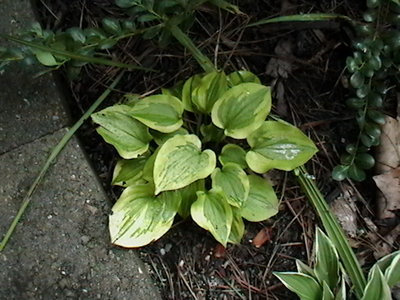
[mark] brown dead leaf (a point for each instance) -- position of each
(219, 251)
(389, 199)
(263, 236)
(387, 168)
(388, 152)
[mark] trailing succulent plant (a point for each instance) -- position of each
(374, 69)
(195, 150)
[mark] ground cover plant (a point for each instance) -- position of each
(198, 114)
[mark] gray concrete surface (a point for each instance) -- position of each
(61, 249)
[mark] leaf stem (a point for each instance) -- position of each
(186, 42)
(72, 55)
(53, 155)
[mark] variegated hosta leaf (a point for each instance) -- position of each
(117, 127)
(390, 266)
(237, 229)
(232, 153)
(242, 109)
(187, 92)
(159, 112)
(128, 171)
(189, 195)
(212, 212)
(210, 88)
(233, 181)
(139, 217)
(377, 287)
(306, 287)
(148, 168)
(327, 293)
(160, 138)
(242, 76)
(180, 162)
(262, 202)
(278, 145)
(327, 261)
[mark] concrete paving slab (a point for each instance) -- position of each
(61, 249)
(29, 107)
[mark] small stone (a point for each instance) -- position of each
(85, 239)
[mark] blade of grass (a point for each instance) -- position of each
(301, 18)
(334, 231)
(72, 55)
(186, 42)
(53, 155)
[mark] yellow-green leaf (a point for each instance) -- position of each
(130, 137)
(138, 217)
(212, 212)
(159, 112)
(242, 109)
(237, 228)
(128, 171)
(278, 145)
(306, 287)
(180, 162)
(233, 181)
(232, 153)
(210, 88)
(242, 76)
(262, 202)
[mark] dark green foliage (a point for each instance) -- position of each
(372, 68)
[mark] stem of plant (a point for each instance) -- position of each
(312, 192)
(53, 155)
(186, 42)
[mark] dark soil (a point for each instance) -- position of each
(309, 91)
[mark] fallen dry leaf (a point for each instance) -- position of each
(219, 251)
(389, 199)
(387, 168)
(263, 236)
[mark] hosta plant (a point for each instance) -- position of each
(326, 280)
(195, 150)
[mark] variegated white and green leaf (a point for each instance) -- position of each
(303, 268)
(233, 181)
(242, 76)
(377, 287)
(327, 293)
(341, 291)
(242, 109)
(128, 171)
(237, 228)
(261, 202)
(392, 272)
(278, 145)
(139, 218)
(212, 212)
(160, 138)
(232, 153)
(306, 287)
(180, 162)
(148, 169)
(210, 88)
(118, 128)
(159, 112)
(327, 260)
(189, 195)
